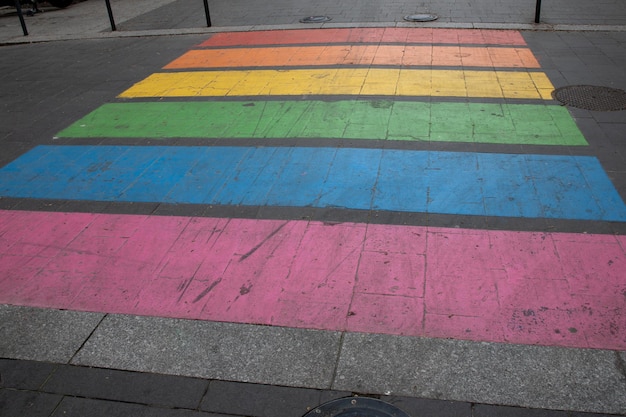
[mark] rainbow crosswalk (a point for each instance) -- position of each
(271, 113)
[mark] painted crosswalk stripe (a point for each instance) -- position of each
(344, 81)
(360, 55)
(497, 286)
(343, 119)
(367, 35)
(481, 184)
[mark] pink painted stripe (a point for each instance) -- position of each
(518, 287)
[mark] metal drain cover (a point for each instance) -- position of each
(356, 407)
(591, 97)
(315, 19)
(421, 17)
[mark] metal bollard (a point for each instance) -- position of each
(538, 11)
(110, 12)
(206, 12)
(113, 28)
(18, 6)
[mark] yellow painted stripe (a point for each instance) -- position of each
(373, 81)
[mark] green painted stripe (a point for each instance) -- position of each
(363, 119)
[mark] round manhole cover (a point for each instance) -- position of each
(591, 97)
(356, 407)
(315, 19)
(421, 17)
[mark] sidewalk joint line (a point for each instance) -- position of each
(104, 316)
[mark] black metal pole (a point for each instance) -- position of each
(538, 11)
(113, 28)
(18, 6)
(206, 12)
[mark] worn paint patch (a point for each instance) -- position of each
(534, 186)
(346, 81)
(495, 286)
(366, 119)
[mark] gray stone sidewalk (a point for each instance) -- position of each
(322, 364)
(89, 19)
(43, 389)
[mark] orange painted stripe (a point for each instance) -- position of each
(395, 55)
(367, 35)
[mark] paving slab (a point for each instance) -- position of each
(554, 378)
(261, 354)
(25, 375)
(27, 403)
(264, 400)
(123, 386)
(423, 407)
(483, 410)
(42, 334)
(78, 407)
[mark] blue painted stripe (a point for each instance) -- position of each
(568, 187)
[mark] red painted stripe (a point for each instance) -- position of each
(497, 286)
(366, 35)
